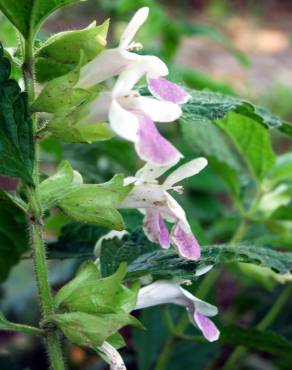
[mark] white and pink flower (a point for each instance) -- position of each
(165, 291)
(154, 200)
(131, 115)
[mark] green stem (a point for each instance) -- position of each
(36, 228)
(237, 355)
(22, 328)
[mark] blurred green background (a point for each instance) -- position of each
(234, 47)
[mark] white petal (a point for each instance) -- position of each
(160, 292)
(128, 79)
(157, 110)
(132, 28)
(201, 306)
(98, 110)
(107, 64)
(186, 170)
(122, 122)
(115, 359)
(177, 212)
(145, 196)
(151, 64)
(149, 173)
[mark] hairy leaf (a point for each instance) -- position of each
(16, 138)
(144, 258)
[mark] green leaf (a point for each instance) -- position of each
(96, 203)
(76, 241)
(207, 139)
(114, 251)
(88, 330)
(60, 95)
(281, 172)
(14, 239)
(256, 339)
(16, 138)
(210, 106)
(61, 52)
(28, 15)
(146, 258)
(251, 140)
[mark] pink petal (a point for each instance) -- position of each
(166, 90)
(186, 243)
(151, 146)
(208, 328)
(155, 228)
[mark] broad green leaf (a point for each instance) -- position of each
(76, 241)
(281, 172)
(60, 95)
(210, 106)
(252, 142)
(61, 52)
(27, 15)
(259, 340)
(206, 139)
(16, 138)
(88, 330)
(96, 203)
(283, 212)
(113, 251)
(14, 239)
(145, 258)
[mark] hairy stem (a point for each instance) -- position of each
(240, 352)
(36, 228)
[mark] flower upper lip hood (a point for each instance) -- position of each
(165, 291)
(158, 205)
(112, 62)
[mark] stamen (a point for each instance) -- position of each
(135, 46)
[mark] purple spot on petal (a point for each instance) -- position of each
(163, 233)
(155, 228)
(153, 147)
(208, 328)
(166, 90)
(186, 243)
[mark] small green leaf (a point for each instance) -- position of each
(260, 340)
(16, 138)
(61, 52)
(252, 142)
(28, 15)
(88, 330)
(60, 95)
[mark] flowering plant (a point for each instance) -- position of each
(146, 246)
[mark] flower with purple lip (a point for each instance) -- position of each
(158, 205)
(132, 117)
(164, 291)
